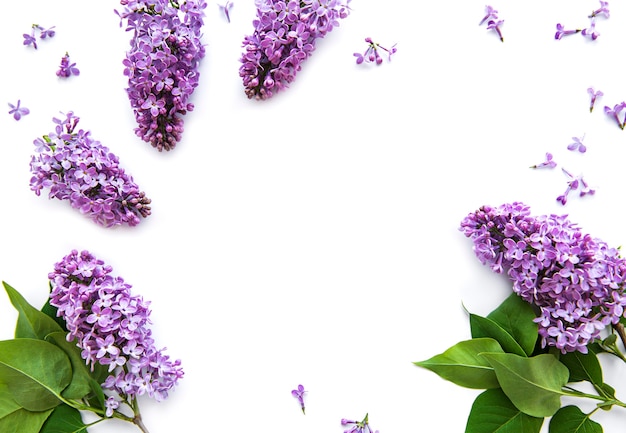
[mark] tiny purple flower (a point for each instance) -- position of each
(299, 394)
(602, 10)
(495, 25)
(615, 113)
(30, 39)
(560, 31)
(18, 111)
(225, 8)
(548, 163)
(371, 54)
(47, 33)
(594, 96)
(585, 188)
(491, 14)
(591, 31)
(578, 144)
(67, 69)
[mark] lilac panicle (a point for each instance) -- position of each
(575, 281)
(284, 36)
(75, 167)
(111, 327)
(162, 65)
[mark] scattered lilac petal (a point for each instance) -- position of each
(560, 31)
(18, 111)
(225, 8)
(548, 163)
(577, 144)
(594, 96)
(602, 10)
(491, 14)
(299, 394)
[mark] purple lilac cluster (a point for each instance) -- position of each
(67, 69)
(284, 36)
(575, 281)
(75, 167)
(575, 183)
(357, 426)
(372, 54)
(589, 32)
(110, 326)
(162, 65)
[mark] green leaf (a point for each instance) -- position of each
(79, 386)
(483, 327)
(570, 419)
(98, 398)
(583, 367)
(31, 323)
(51, 312)
(461, 363)
(23, 421)
(516, 316)
(34, 371)
(64, 419)
(493, 412)
(534, 385)
(7, 403)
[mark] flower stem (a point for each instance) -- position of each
(139, 423)
(619, 327)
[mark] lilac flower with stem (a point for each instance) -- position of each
(225, 8)
(591, 31)
(560, 31)
(284, 36)
(299, 394)
(602, 10)
(575, 281)
(615, 113)
(67, 69)
(491, 14)
(572, 185)
(495, 26)
(357, 426)
(371, 54)
(594, 96)
(18, 111)
(577, 144)
(548, 163)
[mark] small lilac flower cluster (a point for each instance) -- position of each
(67, 69)
(75, 167)
(492, 21)
(575, 281)
(371, 54)
(299, 394)
(616, 114)
(31, 39)
(110, 326)
(284, 36)
(589, 32)
(17, 110)
(573, 184)
(162, 65)
(357, 426)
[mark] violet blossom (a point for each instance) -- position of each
(548, 163)
(602, 10)
(357, 426)
(162, 65)
(111, 327)
(225, 8)
(372, 54)
(31, 39)
(17, 110)
(299, 394)
(493, 22)
(560, 31)
(491, 14)
(616, 113)
(67, 69)
(591, 31)
(577, 144)
(285, 32)
(594, 96)
(75, 167)
(575, 281)
(574, 183)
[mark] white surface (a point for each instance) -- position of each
(313, 238)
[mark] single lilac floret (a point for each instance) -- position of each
(299, 394)
(495, 26)
(560, 31)
(548, 163)
(18, 111)
(590, 31)
(30, 39)
(491, 14)
(594, 96)
(577, 144)
(615, 113)
(225, 8)
(602, 10)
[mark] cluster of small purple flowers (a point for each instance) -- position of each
(110, 326)
(284, 36)
(590, 31)
(492, 21)
(75, 167)
(575, 183)
(357, 426)
(371, 54)
(576, 281)
(31, 39)
(67, 69)
(162, 65)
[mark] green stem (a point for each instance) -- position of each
(619, 327)
(606, 401)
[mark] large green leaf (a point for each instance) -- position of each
(23, 421)
(570, 419)
(31, 323)
(483, 327)
(34, 371)
(493, 412)
(79, 386)
(534, 385)
(64, 419)
(51, 311)
(7, 403)
(583, 367)
(516, 316)
(462, 364)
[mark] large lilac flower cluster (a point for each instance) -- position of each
(284, 36)
(75, 167)
(110, 326)
(162, 65)
(575, 281)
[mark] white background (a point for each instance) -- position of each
(313, 238)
